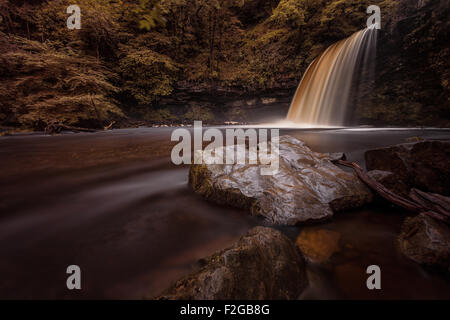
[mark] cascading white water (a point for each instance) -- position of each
(323, 95)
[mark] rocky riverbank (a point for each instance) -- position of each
(264, 264)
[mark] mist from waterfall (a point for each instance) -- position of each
(332, 80)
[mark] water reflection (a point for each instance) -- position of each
(114, 204)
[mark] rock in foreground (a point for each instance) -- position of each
(263, 264)
(307, 187)
(426, 241)
(422, 165)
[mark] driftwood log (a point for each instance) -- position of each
(433, 205)
(58, 128)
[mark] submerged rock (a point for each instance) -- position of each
(422, 165)
(307, 186)
(426, 241)
(263, 264)
(318, 245)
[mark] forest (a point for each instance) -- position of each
(225, 150)
(174, 61)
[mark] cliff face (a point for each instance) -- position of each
(412, 71)
(412, 74)
(258, 69)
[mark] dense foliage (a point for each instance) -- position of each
(129, 54)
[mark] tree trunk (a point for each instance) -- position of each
(213, 22)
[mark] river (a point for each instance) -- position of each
(112, 203)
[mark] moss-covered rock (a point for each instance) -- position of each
(306, 188)
(263, 264)
(426, 241)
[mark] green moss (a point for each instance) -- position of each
(198, 113)
(160, 116)
(137, 52)
(148, 75)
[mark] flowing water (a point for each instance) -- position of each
(323, 95)
(112, 203)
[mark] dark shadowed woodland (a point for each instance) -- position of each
(173, 61)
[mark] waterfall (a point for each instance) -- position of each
(328, 85)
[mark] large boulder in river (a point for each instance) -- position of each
(263, 264)
(307, 187)
(426, 241)
(422, 165)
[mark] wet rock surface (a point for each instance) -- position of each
(318, 245)
(423, 165)
(426, 241)
(263, 264)
(307, 187)
(336, 156)
(391, 181)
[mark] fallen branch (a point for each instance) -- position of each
(438, 203)
(433, 205)
(57, 128)
(382, 190)
(436, 216)
(109, 126)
